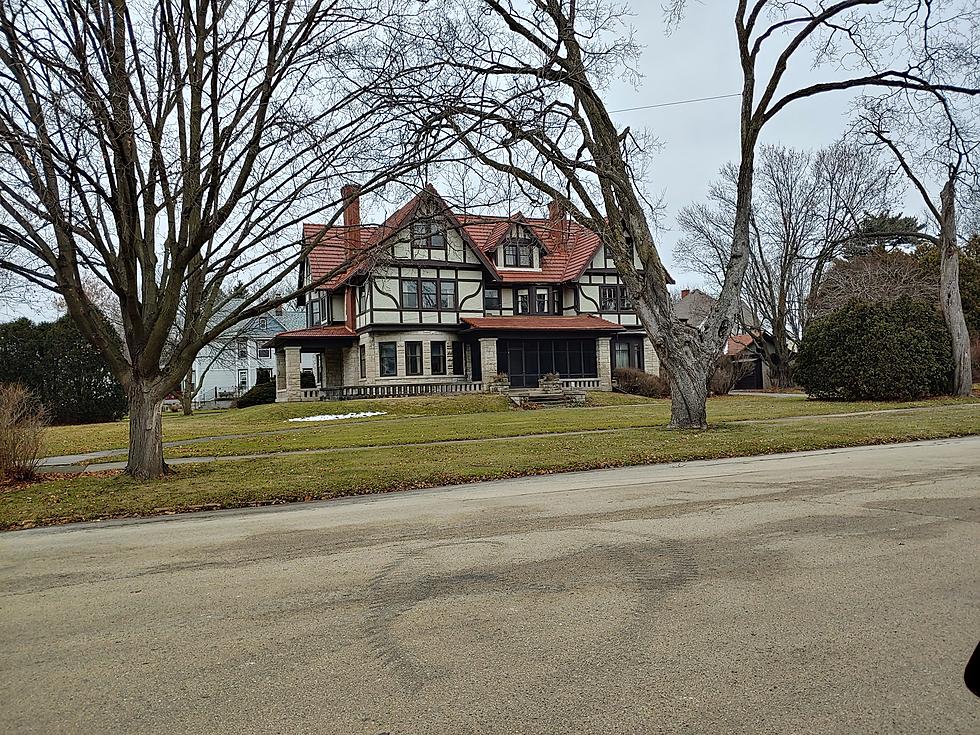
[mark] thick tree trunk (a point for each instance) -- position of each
(688, 381)
(145, 433)
(950, 303)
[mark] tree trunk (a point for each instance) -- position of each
(187, 395)
(145, 433)
(688, 381)
(950, 303)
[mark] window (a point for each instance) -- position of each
(428, 240)
(522, 302)
(362, 299)
(410, 294)
(243, 378)
(518, 253)
(491, 298)
(362, 360)
(437, 351)
(413, 358)
(459, 359)
(429, 291)
(388, 354)
(614, 298)
(242, 349)
(265, 352)
(428, 294)
(447, 295)
(621, 355)
(541, 301)
(628, 353)
(263, 323)
(316, 314)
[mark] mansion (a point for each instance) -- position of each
(436, 302)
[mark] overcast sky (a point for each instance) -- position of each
(699, 59)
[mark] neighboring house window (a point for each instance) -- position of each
(362, 358)
(437, 351)
(243, 378)
(491, 298)
(428, 294)
(388, 359)
(413, 358)
(242, 349)
(518, 253)
(459, 360)
(265, 352)
(428, 240)
(263, 323)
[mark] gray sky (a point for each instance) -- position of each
(698, 59)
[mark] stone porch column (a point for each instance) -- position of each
(488, 358)
(293, 368)
(280, 375)
(602, 357)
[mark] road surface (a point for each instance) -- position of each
(827, 592)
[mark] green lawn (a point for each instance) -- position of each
(411, 420)
(367, 470)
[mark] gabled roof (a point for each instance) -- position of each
(568, 246)
(312, 334)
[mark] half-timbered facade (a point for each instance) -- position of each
(434, 301)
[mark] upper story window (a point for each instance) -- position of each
(491, 298)
(428, 294)
(519, 252)
(607, 255)
(429, 240)
(242, 349)
(263, 323)
(614, 298)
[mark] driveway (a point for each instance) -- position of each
(826, 592)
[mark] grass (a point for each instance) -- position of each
(412, 420)
(369, 470)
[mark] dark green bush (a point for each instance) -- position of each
(307, 379)
(58, 365)
(258, 394)
(639, 383)
(898, 351)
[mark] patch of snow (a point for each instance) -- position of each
(338, 416)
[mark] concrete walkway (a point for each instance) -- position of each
(75, 464)
(818, 593)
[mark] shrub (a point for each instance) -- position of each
(876, 351)
(728, 371)
(307, 379)
(66, 374)
(259, 393)
(22, 422)
(638, 383)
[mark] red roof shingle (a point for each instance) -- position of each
(542, 323)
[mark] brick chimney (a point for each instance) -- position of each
(351, 194)
(685, 292)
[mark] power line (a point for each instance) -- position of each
(679, 102)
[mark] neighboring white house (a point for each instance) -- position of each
(236, 361)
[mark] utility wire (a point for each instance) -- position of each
(679, 102)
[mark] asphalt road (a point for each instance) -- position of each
(829, 592)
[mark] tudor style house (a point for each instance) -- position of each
(431, 301)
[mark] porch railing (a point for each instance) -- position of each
(580, 383)
(396, 390)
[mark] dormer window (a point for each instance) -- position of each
(429, 240)
(519, 253)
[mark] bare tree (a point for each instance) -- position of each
(931, 137)
(805, 207)
(880, 275)
(167, 149)
(522, 92)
